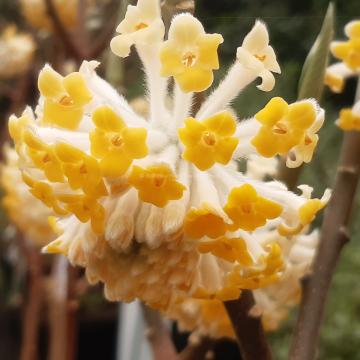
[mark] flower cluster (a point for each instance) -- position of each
(209, 318)
(16, 51)
(155, 207)
(348, 52)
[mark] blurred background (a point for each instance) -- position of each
(28, 39)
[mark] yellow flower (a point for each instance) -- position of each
(65, 98)
(142, 26)
(257, 55)
(156, 184)
(204, 222)
(81, 170)
(349, 51)
(283, 126)
(210, 141)
(115, 144)
(44, 157)
(44, 192)
(306, 212)
(348, 120)
(229, 249)
(86, 208)
(334, 82)
(189, 54)
(273, 264)
(248, 210)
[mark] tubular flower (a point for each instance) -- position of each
(208, 317)
(210, 141)
(16, 51)
(114, 143)
(129, 205)
(190, 55)
(142, 26)
(18, 200)
(256, 54)
(288, 130)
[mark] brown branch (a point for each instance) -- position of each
(248, 329)
(158, 335)
(72, 48)
(333, 237)
(30, 331)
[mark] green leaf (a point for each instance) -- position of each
(311, 83)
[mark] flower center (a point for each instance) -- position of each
(247, 208)
(46, 158)
(308, 140)
(189, 59)
(117, 140)
(66, 101)
(262, 58)
(279, 129)
(159, 180)
(140, 26)
(83, 169)
(209, 138)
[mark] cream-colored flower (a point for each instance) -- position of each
(189, 54)
(139, 215)
(256, 54)
(16, 51)
(142, 26)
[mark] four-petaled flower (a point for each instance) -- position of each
(44, 157)
(86, 208)
(283, 126)
(65, 98)
(81, 170)
(256, 54)
(229, 249)
(210, 141)
(204, 222)
(142, 25)
(349, 51)
(115, 144)
(189, 54)
(248, 210)
(156, 184)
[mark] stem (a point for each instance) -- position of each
(248, 329)
(29, 348)
(158, 336)
(198, 350)
(334, 236)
